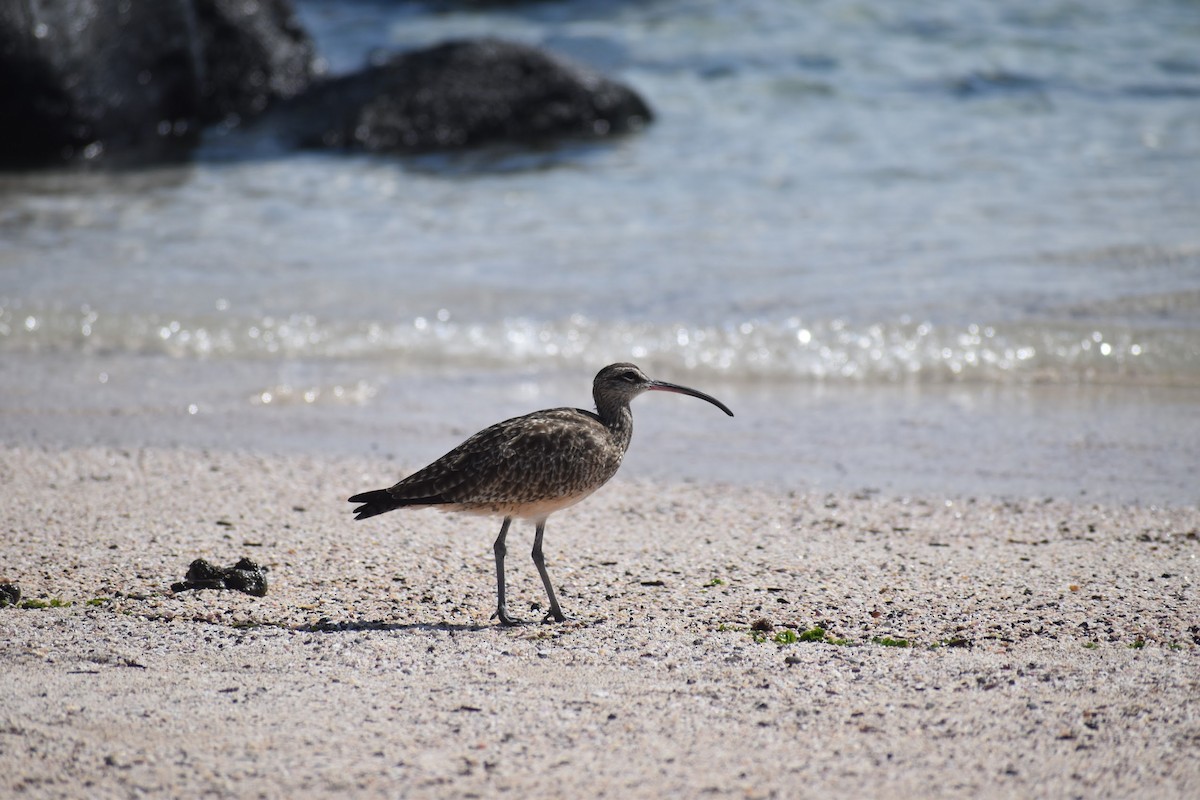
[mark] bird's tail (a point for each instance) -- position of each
(376, 502)
(381, 501)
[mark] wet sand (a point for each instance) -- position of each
(1052, 645)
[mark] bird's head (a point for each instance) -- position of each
(617, 384)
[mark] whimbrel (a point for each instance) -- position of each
(531, 466)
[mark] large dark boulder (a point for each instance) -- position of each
(113, 81)
(254, 52)
(96, 79)
(456, 95)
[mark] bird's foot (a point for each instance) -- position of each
(505, 619)
(554, 614)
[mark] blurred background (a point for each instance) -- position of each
(930, 247)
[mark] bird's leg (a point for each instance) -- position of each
(498, 547)
(540, 562)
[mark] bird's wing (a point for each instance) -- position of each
(544, 454)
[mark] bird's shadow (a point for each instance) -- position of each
(351, 626)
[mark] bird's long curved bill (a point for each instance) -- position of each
(663, 386)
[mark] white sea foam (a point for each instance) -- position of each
(793, 349)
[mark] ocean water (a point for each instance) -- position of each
(920, 247)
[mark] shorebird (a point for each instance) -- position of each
(529, 467)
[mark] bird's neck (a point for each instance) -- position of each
(619, 421)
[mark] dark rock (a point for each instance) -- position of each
(457, 95)
(10, 594)
(254, 52)
(201, 575)
(247, 576)
(92, 79)
(119, 82)
(244, 576)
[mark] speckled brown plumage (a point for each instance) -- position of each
(530, 466)
(515, 467)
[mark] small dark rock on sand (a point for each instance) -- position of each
(10, 594)
(244, 576)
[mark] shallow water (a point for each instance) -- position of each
(916, 246)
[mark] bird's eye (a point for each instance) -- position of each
(632, 377)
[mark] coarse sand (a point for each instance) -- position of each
(968, 647)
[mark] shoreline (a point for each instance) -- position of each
(1052, 644)
(1115, 445)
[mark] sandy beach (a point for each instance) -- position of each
(1051, 646)
(941, 262)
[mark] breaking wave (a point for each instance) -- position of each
(791, 349)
